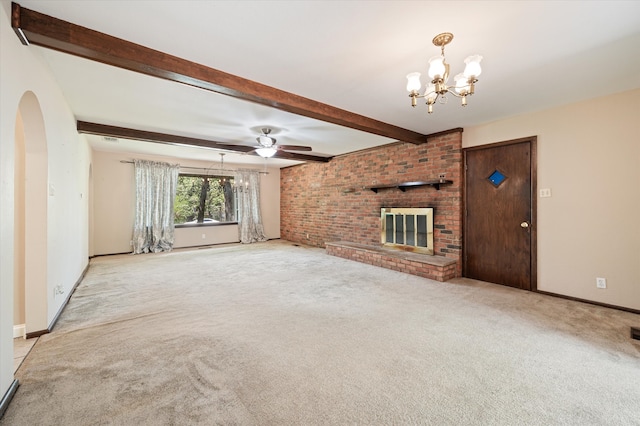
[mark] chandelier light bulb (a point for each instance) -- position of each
(413, 82)
(436, 67)
(462, 83)
(430, 93)
(473, 69)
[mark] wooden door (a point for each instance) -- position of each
(499, 225)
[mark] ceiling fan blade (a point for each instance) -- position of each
(294, 147)
(301, 157)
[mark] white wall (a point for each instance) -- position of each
(114, 205)
(21, 71)
(589, 156)
(19, 227)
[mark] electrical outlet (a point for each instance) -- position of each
(57, 290)
(545, 193)
(601, 282)
(204, 236)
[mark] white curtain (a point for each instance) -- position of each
(250, 228)
(153, 229)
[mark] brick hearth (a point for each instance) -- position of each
(437, 268)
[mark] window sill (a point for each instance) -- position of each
(200, 225)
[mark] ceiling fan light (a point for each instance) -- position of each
(265, 141)
(413, 82)
(473, 69)
(266, 152)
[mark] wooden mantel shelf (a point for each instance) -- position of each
(404, 185)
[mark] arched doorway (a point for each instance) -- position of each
(30, 217)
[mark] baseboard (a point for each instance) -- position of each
(204, 246)
(8, 396)
(110, 254)
(19, 330)
(199, 246)
(32, 334)
(591, 302)
(64, 305)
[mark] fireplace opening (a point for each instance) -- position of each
(408, 229)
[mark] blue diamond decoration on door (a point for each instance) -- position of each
(496, 178)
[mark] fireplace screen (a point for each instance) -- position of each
(408, 229)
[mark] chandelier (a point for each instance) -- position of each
(439, 74)
(236, 183)
(240, 186)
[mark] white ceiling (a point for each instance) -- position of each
(352, 55)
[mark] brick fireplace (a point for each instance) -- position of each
(341, 200)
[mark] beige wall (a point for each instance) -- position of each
(113, 199)
(589, 156)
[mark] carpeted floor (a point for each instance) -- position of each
(279, 334)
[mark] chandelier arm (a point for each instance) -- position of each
(446, 92)
(425, 95)
(452, 92)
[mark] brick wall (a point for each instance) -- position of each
(324, 202)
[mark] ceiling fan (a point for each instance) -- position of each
(267, 146)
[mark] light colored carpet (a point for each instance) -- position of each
(278, 334)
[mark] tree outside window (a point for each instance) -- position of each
(204, 199)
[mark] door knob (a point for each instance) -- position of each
(524, 224)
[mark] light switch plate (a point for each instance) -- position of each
(545, 193)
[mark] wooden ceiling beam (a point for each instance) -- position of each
(166, 138)
(46, 31)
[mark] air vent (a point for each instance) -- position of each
(110, 139)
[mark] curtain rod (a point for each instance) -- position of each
(200, 168)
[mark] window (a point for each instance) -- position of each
(204, 199)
